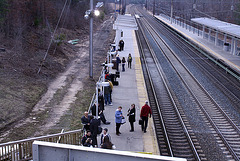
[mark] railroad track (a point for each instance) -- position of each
(174, 138)
(227, 85)
(224, 127)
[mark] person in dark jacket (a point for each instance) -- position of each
(106, 143)
(85, 137)
(118, 61)
(121, 45)
(100, 113)
(104, 133)
(145, 112)
(86, 120)
(94, 130)
(100, 100)
(131, 116)
(129, 60)
(107, 92)
(88, 143)
(123, 64)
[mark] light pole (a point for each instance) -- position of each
(154, 7)
(171, 11)
(89, 14)
(91, 42)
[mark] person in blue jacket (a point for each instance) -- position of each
(118, 119)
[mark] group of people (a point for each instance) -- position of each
(144, 114)
(123, 61)
(91, 124)
(105, 140)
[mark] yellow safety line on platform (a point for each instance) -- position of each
(149, 138)
(207, 48)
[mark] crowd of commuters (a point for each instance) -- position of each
(92, 124)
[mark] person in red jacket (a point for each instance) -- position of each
(145, 112)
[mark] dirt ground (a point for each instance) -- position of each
(67, 96)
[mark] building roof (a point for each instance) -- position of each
(225, 27)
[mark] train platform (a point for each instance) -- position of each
(233, 61)
(131, 89)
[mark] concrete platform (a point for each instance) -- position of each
(131, 89)
(217, 52)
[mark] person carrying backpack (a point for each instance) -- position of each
(129, 60)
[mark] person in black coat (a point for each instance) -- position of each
(94, 130)
(86, 120)
(131, 118)
(100, 113)
(85, 137)
(118, 61)
(100, 100)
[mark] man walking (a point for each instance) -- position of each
(145, 112)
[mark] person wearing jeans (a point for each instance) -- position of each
(118, 119)
(145, 112)
(107, 98)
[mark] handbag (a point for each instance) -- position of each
(123, 120)
(140, 122)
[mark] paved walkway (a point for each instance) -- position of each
(131, 89)
(216, 51)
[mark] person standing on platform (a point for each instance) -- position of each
(118, 61)
(131, 116)
(86, 120)
(123, 64)
(107, 92)
(145, 112)
(101, 99)
(100, 113)
(118, 119)
(105, 133)
(129, 60)
(94, 130)
(111, 86)
(121, 45)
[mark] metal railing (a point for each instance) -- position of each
(22, 149)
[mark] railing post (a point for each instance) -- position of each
(20, 150)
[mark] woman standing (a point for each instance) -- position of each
(123, 64)
(118, 119)
(118, 61)
(131, 114)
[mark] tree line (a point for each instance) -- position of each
(225, 10)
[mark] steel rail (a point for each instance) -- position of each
(171, 97)
(233, 153)
(178, 39)
(184, 127)
(153, 91)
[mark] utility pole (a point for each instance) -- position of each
(232, 8)
(171, 11)
(115, 11)
(91, 43)
(146, 4)
(194, 8)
